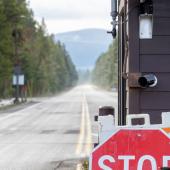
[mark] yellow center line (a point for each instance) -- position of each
(82, 131)
(84, 145)
(88, 128)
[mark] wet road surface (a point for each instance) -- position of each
(55, 133)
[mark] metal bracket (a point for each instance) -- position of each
(133, 80)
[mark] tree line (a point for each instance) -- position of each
(106, 68)
(46, 64)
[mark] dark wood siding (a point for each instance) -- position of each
(155, 63)
(161, 8)
(134, 64)
(149, 56)
(161, 26)
(156, 45)
(155, 100)
(155, 58)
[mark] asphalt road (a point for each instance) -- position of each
(54, 133)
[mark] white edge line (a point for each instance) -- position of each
(90, 162)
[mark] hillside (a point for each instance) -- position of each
(107, 66)
(85, 46)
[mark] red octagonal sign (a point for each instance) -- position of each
(134, 149)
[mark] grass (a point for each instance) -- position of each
(85, 165)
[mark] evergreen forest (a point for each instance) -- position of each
(106, 68)
(25, 43)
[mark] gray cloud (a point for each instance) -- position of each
(73, 9)
(65, 15)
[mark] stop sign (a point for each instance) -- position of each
(135, 149)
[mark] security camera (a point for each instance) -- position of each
(149, 80)
(113, 32)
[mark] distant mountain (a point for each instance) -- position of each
(85, 46)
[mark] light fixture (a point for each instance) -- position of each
(146, 19)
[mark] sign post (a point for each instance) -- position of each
(17, 81)
(133, 149)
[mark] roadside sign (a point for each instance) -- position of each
(133, 149)
(20, 80)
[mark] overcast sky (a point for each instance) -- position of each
(68, 15)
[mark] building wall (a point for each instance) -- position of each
(133, 60)
(150, 56)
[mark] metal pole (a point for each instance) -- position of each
(17, 88)
(17, 64)
(114, 15)
(16, 55)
